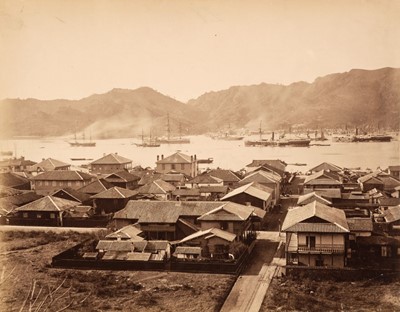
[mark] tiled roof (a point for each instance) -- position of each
(172, 177)
(156, 187)
(210, 233)
(327, 167)
(224, 175)
(138, 256)
(327, 178)
(48, 165)
(8, 191)
(378, 240)
(394, 168)
(205, 179)
(49, 203)
(228, 211)
(127, 232)
(15, 162)
(374, 177)
(115, 192)
(111, 159)
(123, 176)
(392, 214)
(360, 224)
(186, 192)
(310, 197)
(96, 187)
(250, 190)
(9, 203)
(11, 179)
(329, 193)
(296, 219)
(276, 163)
(163, 211)
(76, 195)
(63, 175)
(214, 189)
(260, 177)
(177, 158)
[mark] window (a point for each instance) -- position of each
(69, 183)
(46, 183)
(54, 183)
(163, 166)
(39, 183)
(25, 215)
(224, 225)
(39, 215)
(77, 183)
(310, 241)
(182, 166)
(173, 166)
(52, 215)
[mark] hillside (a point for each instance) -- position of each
(364, 98)
(358, 97)
(118, 113)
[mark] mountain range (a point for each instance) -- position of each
(363, 98)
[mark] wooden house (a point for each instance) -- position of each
(328, 184)
(112, 200)
(13, 180)
(123, 179)
(49, 164)
(228, 177)
(316, 236)
(268, 179)
(326, 166)
(394, 172)
(50, 181)
(253, 193)
(159, 189)
(15, 164)
(204, 180)
(95, 187)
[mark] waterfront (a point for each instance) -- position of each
(226, 154)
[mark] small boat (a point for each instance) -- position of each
(6, 153)
(205, 161)
(80, 159)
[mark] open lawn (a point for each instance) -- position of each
(27, 281)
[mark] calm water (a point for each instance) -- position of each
(227, 154)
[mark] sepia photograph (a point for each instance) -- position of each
(199, 155)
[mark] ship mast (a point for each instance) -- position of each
(168, 128)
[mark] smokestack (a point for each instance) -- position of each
(356, 131)
(158, 157)
(273, 136)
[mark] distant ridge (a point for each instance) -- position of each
(356, 98)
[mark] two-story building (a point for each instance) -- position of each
(177, 162)
(394, 172)
(49, 164)
(316, 235)
(325, 183)
(326, 166)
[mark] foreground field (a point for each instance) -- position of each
(27, 282)
(304, 294)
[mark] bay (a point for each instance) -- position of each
(226, 154)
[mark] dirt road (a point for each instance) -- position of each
(250, 288)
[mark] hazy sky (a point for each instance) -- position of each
(72, 49)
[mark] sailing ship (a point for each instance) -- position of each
(150, 143)
(83, 142)
(172, 140)
(228, 136)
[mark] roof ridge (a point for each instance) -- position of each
(159, 186)
(54, 203)
(116, 188)
(51, 162)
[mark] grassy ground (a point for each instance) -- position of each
(378, 294)
(27, 280)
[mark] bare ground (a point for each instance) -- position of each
(27, 281)
(377, 294)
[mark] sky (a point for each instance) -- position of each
(53, 49)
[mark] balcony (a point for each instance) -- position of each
(321, 248)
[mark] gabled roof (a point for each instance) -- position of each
(310, 197)
(224, 175)
(156, 187)
(228, 212)
(164, 211)
(115, 193)
(74, 194)
(96, 187)
(329, 193)
(392, 214)
(275, 163)
(123, 176)
(323, 177)
(49, 203)
(111, 159)
(205, 179)
(326, 167)
(176, 158)
(172, 177)
(210, 233)
(48, 165)
(249, 189)
(11, 179)
(127, 232)
(296, 219)
(374, 177)
(16, 162)
(260, 177)
(63, 175)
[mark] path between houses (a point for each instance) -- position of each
(251, 286)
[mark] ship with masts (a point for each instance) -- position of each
(172, 140)
(83, 142)
(150, 143)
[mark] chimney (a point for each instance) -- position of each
(273, 136)
(191, 158)
(158, 157)
(162, 156)
(116, 153)
(247, 203)
(43, 159)
(195, 157)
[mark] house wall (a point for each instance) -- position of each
(365, 187)
(211, 246)
(244, 198)
(322, 239)
(233, 227)
(334, 261)
(395, 174)
(46, 185)
(109, 168)
(189, 169)
(41, 218)
(103, 206)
